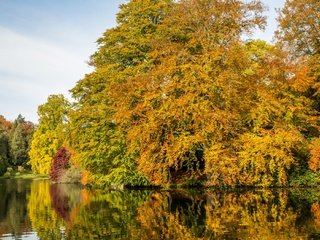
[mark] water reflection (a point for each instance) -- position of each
(13, 210)
(70, 212)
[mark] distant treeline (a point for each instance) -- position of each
(180, 95)
(15, 140)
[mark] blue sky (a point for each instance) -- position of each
(45, 44)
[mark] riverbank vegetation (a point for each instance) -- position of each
(180, 95)
(15, 140)
(45, 208)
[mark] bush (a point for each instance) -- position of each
(7, 174)
(60, 164)
(306, 179)
(21, 169)
(72, 175)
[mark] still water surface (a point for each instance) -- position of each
(40, 210)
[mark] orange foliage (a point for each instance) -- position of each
(176, 90)
(314, 162)
(86, 177)
(5, 124)
(191, 98)
(315, 209)
(157, 223)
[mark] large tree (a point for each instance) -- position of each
(20, 139)
(177, 94)
(190, 98)
(299, 34)
(124, 51)
(50, 134)
(299, 26)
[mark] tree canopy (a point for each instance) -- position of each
(180, 94)
(50, 134)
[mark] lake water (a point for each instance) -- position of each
(40, 210)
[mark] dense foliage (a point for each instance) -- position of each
(194, 215)
(15, 140)
(60, 164)
(50, 134)
(180, 95)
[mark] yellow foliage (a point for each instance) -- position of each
(158, 223)
(50, 134)
(176, 90)
(264, 159)
(43, 218)
(252, 214)
(314, 161)
(43, 147)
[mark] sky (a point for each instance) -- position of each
(45, 46)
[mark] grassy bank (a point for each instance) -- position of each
(25, 175)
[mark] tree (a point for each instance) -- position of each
(191, 96)
(19, 146)
(50, 134)
(123, 51)
(20, 136)
(4, 152)
(299, 27)
(299, 34)
(60, 163)
(5, 127)
(178, 95)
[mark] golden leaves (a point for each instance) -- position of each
(314, 161)
(265, 159)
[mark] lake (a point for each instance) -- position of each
(40, 210)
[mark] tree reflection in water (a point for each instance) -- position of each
(71, 212)
(260, 214)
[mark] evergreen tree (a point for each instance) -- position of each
(4, 152)
(19, 139)
(19, 146)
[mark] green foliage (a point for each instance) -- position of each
(14, 142)
(4, 152)
(304, 178)
(50, 134)
(99, 143)
(19, 146)
(71, 175)
(178, 96)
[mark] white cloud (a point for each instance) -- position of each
(30, 70)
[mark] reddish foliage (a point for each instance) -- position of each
(60, 163)
(60, 202)
(5, 124)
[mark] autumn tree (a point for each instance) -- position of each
(50, 134)
(299, 34)
(123, 52)
(178, 94)
(190, 99)
(5, 128)
(299, 26)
